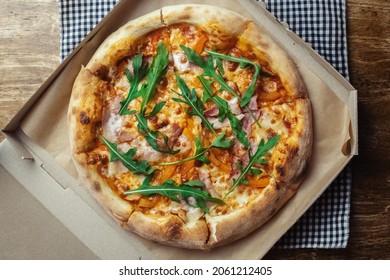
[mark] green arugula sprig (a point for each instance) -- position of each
(243, 63)
(208, 68)
(209, 71)
(224, 111)
(153, 137)
(191, 189)
(155, 72)
(139, 71)
(200, 151)
(257, 158)
(223, 107)
(127, 159)
(191, 99)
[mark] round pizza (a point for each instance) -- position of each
(190, 126)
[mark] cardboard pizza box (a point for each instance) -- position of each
(62, 220)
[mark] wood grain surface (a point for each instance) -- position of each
(29, 53)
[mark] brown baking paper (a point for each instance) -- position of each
(334, 123)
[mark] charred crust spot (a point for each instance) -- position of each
(84, 119)
(293, 151)
(280, 169)
(186, 14)
(173, 230)
(278, 186)
(102, 73)
(273, 211)
(97, 187)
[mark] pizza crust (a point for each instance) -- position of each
(266, 47)
(293, 169)
(243, 221)
(120, 43)
(212, 19)
(115, 205)
(85, 111)
(169, 230)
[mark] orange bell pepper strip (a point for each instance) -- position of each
(257, 181)
(200, 44)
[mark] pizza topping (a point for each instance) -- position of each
(257, 158)
(200, 152)
(127, 159)
(144, 150)
(135, 76)
(189, 191)
(181, 62)
(243, 63)
(154, 74)
(191, 99)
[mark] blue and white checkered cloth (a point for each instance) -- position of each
(321, 23)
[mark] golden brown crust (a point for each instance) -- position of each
(212, 19)
(277, 58)
(110, 200)
(169, 230)
(212, 230)
(242, 221)
(299, 146)
(85, 111)
(120, 43)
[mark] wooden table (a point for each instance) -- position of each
(29, 52)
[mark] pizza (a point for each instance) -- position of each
(190, 126)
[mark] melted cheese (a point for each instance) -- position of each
(181, 62)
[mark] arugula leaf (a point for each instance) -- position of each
(224, 111)
(188, 191)
(157, 108)
(127, 159)
(243, 63)
(222, 105)
(219, 142)
(192, 100)
(154, 73)
(152, 137)
(237, 129)
(208, 70)
(200, 151)
(139, 73)
(257, 158)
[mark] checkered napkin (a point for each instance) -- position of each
(320, 23)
